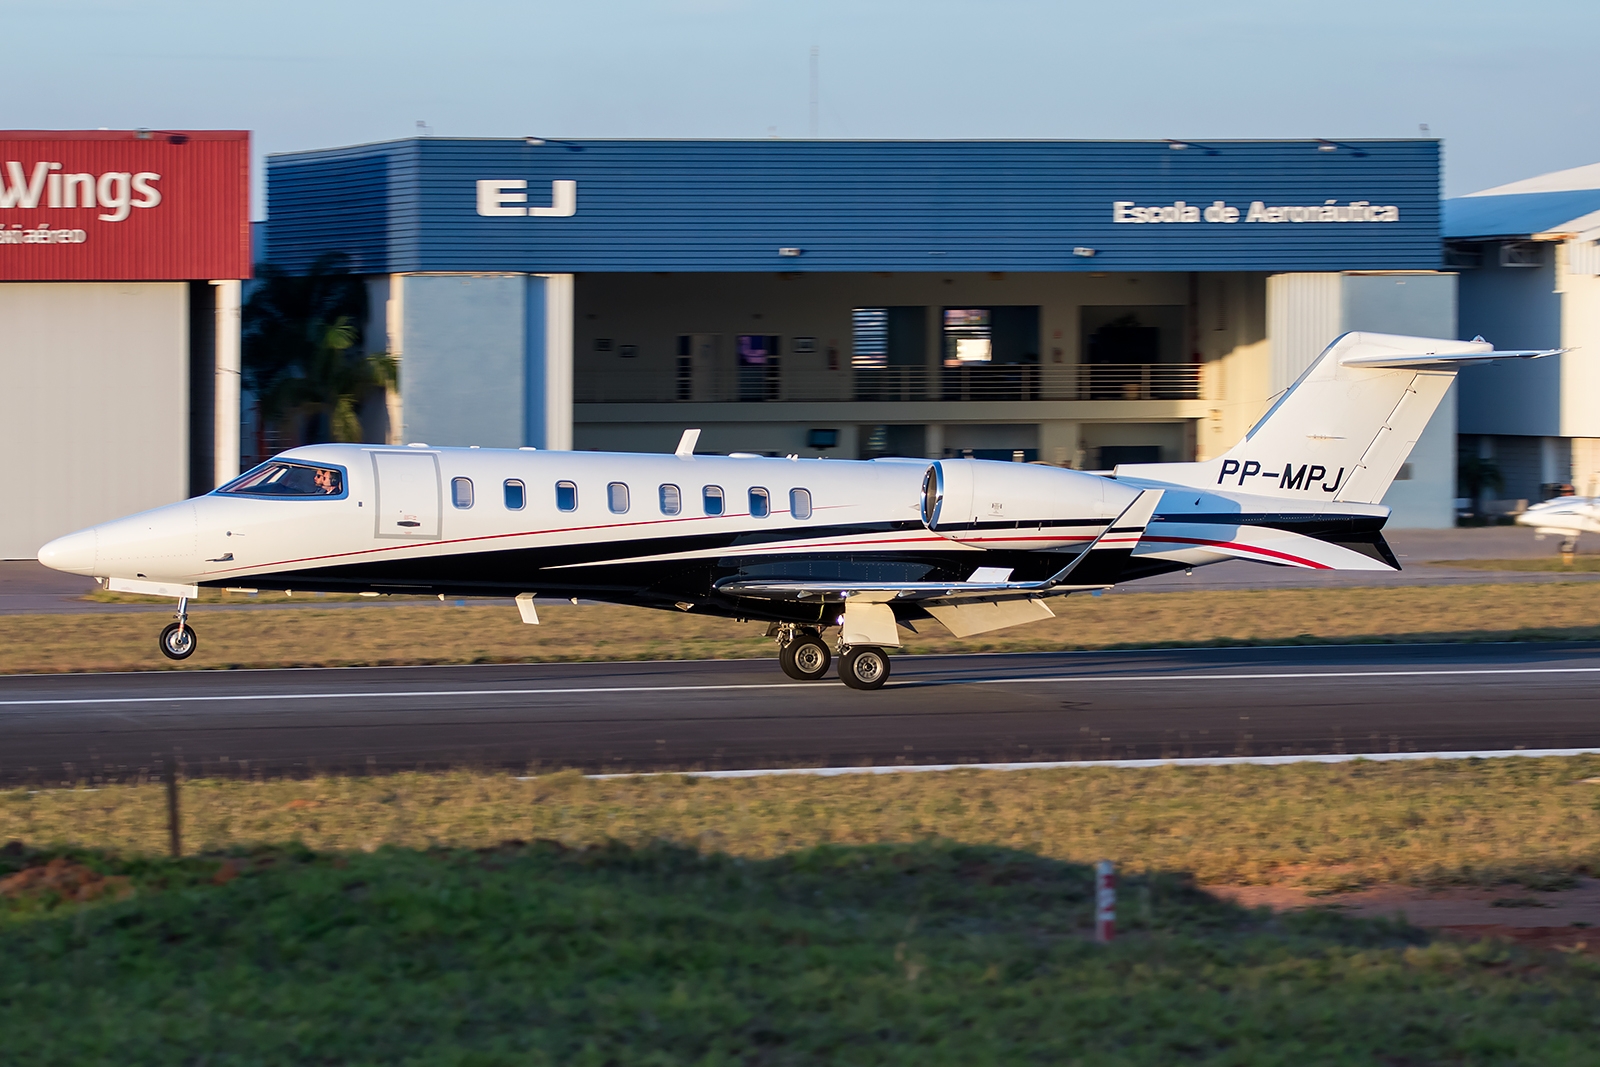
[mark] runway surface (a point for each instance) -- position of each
(743, 714)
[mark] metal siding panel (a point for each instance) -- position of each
(1304, 315)
(853, 206)
(200, 229)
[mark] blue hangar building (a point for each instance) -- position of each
(1082, 303)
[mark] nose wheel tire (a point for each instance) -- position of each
(178, 641)
(806, 658)
(864, 667)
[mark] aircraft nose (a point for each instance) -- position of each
(74, 553)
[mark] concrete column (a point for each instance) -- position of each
(558, 330)
(225, 435)
(934, 440)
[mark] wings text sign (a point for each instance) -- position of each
(110, 205)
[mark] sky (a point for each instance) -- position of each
(1509, 88)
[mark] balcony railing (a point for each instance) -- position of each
(995, 382)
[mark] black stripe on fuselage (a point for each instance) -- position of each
(592, 569)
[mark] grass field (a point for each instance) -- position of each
(492, 633)
(1535, 822)
(922, 954)
(899, 919)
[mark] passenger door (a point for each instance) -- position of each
(408, 498)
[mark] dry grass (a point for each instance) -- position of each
(1543, 564)
(1534, 821)
(444, 633)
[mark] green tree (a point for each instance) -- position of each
(303, 354)
(1475, 474)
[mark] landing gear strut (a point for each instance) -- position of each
(178, 640)
(863, 667)
(802, 653)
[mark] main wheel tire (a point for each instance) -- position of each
(178, 641)
(806, 658)
(864, 667)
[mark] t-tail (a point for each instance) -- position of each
(1340, 433)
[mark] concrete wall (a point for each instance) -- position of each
(485, 359)
(94, 407)
(1580, 331)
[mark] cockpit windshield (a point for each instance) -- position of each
(277, 478)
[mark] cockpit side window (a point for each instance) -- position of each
(281, 478)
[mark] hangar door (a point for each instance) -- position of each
(408, 503)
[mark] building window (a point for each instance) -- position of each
(711, 498)
(967, 337)
(870, 327)
(800, 503)
(461, 492)
(566, 496)
(671, 500)
(516, 495)
(617, 498)
(758, 367)
(760, 503)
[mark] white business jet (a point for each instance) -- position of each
(1567, 516)
(805, 545)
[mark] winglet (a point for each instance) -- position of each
(686, 444)
(1103, 561)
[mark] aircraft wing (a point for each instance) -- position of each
(1096, 567)
(987, 601)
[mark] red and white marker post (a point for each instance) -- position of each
(1105, 902)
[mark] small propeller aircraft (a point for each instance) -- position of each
(808, 546)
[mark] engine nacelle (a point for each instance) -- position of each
(1018, 506)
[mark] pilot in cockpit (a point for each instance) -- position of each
(327, 481)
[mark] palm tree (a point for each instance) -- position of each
(302, 349)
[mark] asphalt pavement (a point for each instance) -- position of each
(745, 714)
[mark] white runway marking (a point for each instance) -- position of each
(222, 698)
(1195, 761)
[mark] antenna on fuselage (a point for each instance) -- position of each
(686, 443)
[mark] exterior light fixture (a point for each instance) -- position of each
(791, 252)
(1325, 145)
(1179, 146)
(1086, 253)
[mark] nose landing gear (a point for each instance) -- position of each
(178, 640)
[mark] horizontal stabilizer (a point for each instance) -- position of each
(1425, 360)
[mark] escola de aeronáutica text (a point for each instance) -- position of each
(1220, 211)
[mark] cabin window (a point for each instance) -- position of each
(277, 478)
(461, 492)
(800, 503)
(566, 496)
(760, 503)
(516, 495)
(711, 497)
(671, 500)
(617, 498)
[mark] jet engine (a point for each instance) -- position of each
(1018, 506)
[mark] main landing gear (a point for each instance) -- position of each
(864, 667)
(804, 656)
(802, 653)
(178, 640)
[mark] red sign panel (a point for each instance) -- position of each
(122, 205)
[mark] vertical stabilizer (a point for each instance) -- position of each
(1342, 430)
